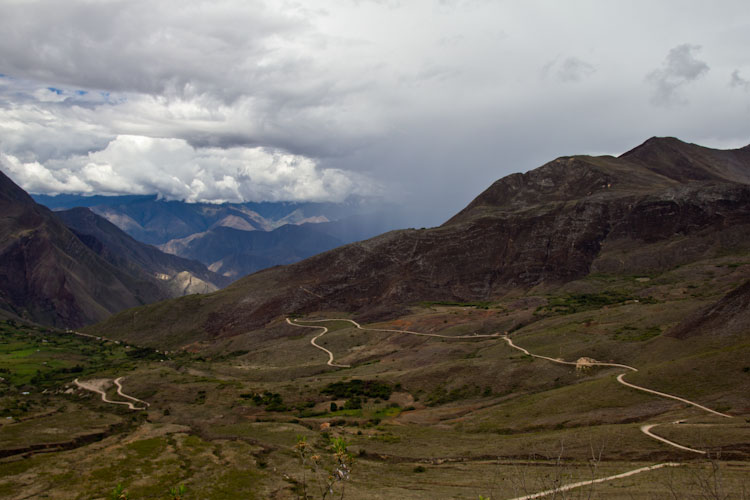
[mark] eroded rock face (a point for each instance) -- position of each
(554, 224)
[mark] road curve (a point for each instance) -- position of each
(670, 396)
(560, 361)
(92, 388)
(312, 341)
(421, 334)
(620, 378)
(330, 354)
(119, 391)
(579, 484)
(646, 429)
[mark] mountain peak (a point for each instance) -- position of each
(686, 162)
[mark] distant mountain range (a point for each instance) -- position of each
(663, 204)
(238, 239)
(73, 267)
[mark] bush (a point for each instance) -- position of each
(361, 388)
(354, 403)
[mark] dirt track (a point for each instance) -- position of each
(312, 341)
(583, 362)
(98, 385)
(580, 484)
(646, 429)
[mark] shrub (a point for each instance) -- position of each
(362, 388)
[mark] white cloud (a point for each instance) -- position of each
(175, 170)
(431, 100)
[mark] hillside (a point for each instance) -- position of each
(235, 253)
(555, 224)
(178, 276)
(231, 238)
(53, 275)
(156, 221)
(572, 332)
(48, 275)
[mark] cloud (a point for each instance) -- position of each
(737, 81)
(569, 70)
(430, 101)
(678, 69)
(175, 170)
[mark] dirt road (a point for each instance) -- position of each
(98, 385)
(580, 484)
(646, 429)
(582, 362)
(357, 325)
(312, 341)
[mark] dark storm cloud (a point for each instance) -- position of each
(126, 46)
(428, 102)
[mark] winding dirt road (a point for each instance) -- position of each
(420, 334)
(646, 429)
(312, 341)
(583, 362)
(97, 385)
(619, 377)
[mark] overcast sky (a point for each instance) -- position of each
(421, 101)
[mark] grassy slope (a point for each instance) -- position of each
(459, 405)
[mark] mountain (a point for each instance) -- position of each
(176, 275)
(235, 253)
(729, 316)
(53, 275)
(664, 204)
(219, 235)
(48, 275)
(156, 221)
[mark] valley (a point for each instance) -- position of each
(458, 409)
(577, 331)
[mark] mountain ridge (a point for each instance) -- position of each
(54, 275)
(552, 225)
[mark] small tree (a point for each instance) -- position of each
(326, 477)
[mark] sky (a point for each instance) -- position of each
(415, 102)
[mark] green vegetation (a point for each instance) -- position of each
(359, 388)
(423, 416)
(38, 358)
(271, 400)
